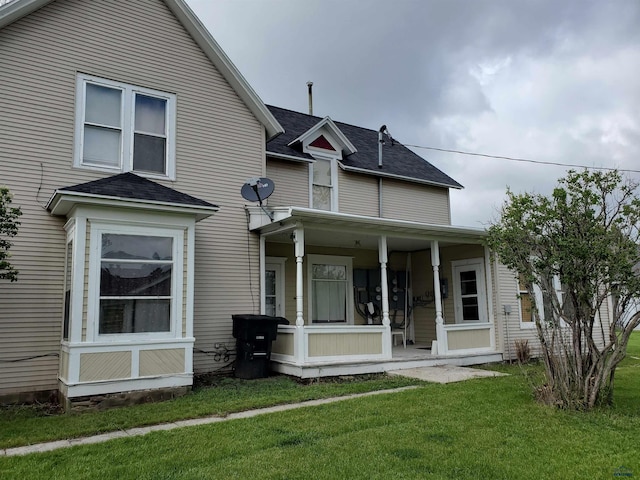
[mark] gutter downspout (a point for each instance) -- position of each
(380, 197)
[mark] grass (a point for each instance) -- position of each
(26, 425)
(479, 429)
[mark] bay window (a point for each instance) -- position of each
(136, 273)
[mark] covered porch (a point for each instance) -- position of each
(368, 294)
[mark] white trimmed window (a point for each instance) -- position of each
(322, 184)
(525, 305)
(330, 289)
(136, 280)
(122, 128)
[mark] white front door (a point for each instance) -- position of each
(274, 288)
(469, 291)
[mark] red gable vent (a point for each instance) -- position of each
(322, 142)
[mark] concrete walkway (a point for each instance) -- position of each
(445, 373)
(132, 432)
(441, 374)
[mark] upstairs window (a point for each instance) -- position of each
(121, 128)
(322, 185)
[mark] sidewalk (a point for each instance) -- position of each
(133, 432)
(440, 374)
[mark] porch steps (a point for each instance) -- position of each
(401, 360)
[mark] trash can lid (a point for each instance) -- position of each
(251, 317)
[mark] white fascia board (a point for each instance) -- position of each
(229, 71)
(283, 216)
(335, 131)
(14, 11)
(61, 203)
(282, 156)
(395, 176)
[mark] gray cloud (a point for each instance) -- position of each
(539, 79)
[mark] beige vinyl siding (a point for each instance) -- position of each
(415, 202)
(507, 293)
(291, 181)
(424, 317)
(219, 144)
(357, 194)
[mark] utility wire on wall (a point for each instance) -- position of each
(515, 159)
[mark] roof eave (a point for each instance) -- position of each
(14, 11)
(282, 156)
(378, 173)
(283, 216)
(222, 62)
(63, 201)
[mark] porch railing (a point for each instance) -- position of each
(311, 344)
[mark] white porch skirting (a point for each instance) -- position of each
(310, 351)
(304, 345)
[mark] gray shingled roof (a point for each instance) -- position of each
(397, 159)
(131, 186)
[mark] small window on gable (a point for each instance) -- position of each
(121, 127)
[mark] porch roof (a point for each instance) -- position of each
(287, 218)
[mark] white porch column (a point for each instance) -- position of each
(440, 345)
(384, 287)
(299, 347)
(298, 239)
(263, 302)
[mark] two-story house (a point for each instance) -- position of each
(127, 135)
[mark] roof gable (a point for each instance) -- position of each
(18, 9)
(398, 161)
(325, 125)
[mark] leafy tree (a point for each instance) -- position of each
(586, 235)
(8, 228)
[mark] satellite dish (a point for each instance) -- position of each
(257, 189)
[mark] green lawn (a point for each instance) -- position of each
(28, 425)
(479, 429)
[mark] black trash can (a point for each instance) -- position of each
(254, 335)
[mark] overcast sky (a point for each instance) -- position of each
(548, 80)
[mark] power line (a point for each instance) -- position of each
(527, 160)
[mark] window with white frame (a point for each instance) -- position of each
(121, 128)
(323, 184)
(138, 273)
(542, 301)
(469, 291)
(524, 297)
(330, 287)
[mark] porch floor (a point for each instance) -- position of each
(413, 356)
